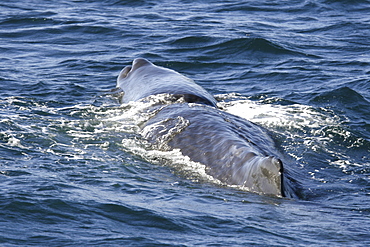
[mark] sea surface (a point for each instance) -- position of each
(74, 171)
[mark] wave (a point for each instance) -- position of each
(135, 216)
(316, 138)
(253, 45)
(129, 3)
(28, 22)
(193, 41)
(262, 7)
(303, 7)
(345, 99)
(240, 49)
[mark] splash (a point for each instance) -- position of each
(86, 133)
(316, 138)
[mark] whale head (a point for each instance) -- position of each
(143, 78)
(137, 63)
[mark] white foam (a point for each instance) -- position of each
(301, 128)
(174, 159)
(290, 116)
(14, 142)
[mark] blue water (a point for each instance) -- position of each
(73, 171)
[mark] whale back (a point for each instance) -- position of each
(235, 151)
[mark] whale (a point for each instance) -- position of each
(233, 150)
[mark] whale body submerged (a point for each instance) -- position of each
(233, 150)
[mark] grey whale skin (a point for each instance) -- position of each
(233, 150)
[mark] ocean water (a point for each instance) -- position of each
(74, 171)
